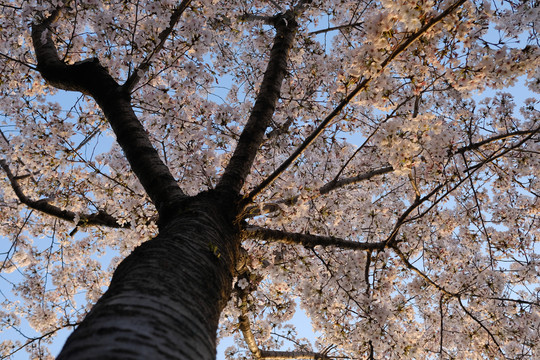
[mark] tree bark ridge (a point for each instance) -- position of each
(167, 296)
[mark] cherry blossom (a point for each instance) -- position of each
(371, 162)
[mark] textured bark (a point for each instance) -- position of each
(143, 158)
(252, 136)
(165, 299)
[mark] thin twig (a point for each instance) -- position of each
(481, 325)
(309, 240)
(337, 110)
(132, 81)
(339, 27)
(43, 205)
(30, 66)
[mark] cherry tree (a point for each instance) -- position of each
(334, 155)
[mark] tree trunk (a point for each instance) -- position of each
(165, 299)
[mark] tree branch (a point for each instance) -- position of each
(474, 146)
(339, 27)
(308, 141)
(30, 66)
(245, 327)
(470, 171)
(99, 218)
(91, 78)
(252, 136)
(449, 293)
(334, 184)
(313, 240)
(357, 151)
(411, 39)
(361, 86)
(34, 339)
(132, 81)
(309, 240)
(268, 20)
(243, 320)
(410, 266)
(292, 355)
(481, 325)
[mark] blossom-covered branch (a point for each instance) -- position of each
(43, 205)
(309, 240)
(275, 205)
(339, 183)
(404, 217)
(474, 168)
(244, 324)
(132, 81)
(338, 109)
(252, 136)
(334, 28)
(332, 185)
(489, 140)
(243, 320)
(335, 184)
(482, 325)
(38, 339)
(410, 266)
(457, 296)
(91, 78)
(292, 355)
